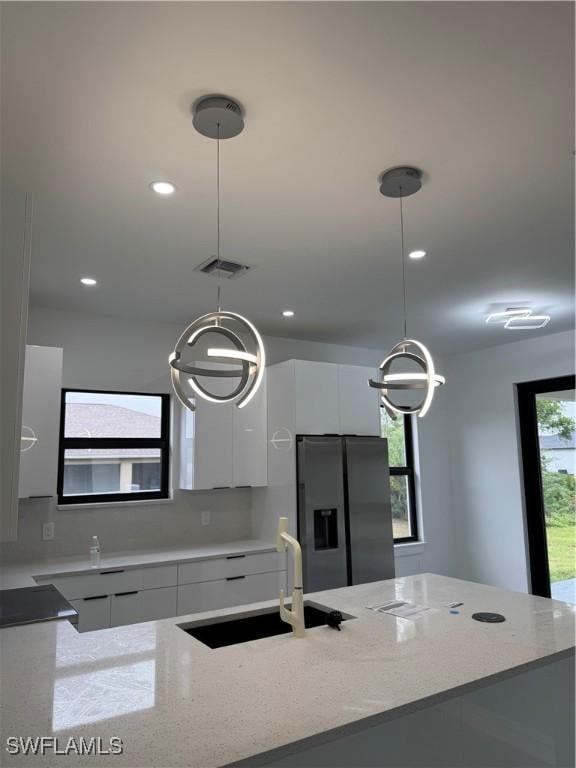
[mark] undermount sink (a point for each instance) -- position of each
(255, 625)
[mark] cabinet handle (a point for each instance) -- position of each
(104, 573)
(234, 578)
(234, 557)
(96, 597)
(243, 486)
(220, 487)
(122, 594)
(41, 496)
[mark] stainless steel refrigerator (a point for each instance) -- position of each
(344, 512)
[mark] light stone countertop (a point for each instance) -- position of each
(21, 574)
(175, 702)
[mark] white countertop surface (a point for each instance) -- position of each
(175, 702)
(21, 574)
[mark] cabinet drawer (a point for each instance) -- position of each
(111, 580)
(145, 605)
(233, 565)
(212, 595)
(93, 613)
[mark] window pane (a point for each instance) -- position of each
(99, 414)
(146, 476)
(394, 432)
(399, 498)
(111, 470)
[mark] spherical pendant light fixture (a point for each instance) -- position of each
(237, 340)
(186, 375)
(400, 183)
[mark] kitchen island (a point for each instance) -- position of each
(440, 689)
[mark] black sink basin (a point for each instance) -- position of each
(241, 628)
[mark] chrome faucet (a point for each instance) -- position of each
(295, 617)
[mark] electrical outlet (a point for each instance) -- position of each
(205, 517)
(48, 530)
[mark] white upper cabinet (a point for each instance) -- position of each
(358, 406)
(14, 287)
(221, 445)
(40, 422)
(316, 392)
(335, 399)
(250, 451)
(212, 439)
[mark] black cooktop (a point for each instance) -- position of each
(29, 605)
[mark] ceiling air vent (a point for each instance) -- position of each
(223, 268)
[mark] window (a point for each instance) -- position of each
(402, 485)
(114, 446)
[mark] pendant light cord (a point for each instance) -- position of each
(219, 306)
(403, 260)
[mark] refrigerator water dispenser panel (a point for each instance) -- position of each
(325, 528)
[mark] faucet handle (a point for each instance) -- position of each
(334, 619)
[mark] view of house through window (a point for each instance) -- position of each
(113, 444)
(401, 460)
(556, 414)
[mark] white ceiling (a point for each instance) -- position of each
(96, 100)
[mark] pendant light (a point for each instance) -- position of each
(238, 340)
(400, 183)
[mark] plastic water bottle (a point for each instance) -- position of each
(95, 552)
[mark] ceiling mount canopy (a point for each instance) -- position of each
(238, 341)
(218, 117)
(401, 182)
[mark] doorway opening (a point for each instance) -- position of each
(547, 418)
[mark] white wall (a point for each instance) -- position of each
(561, 460)
(469, 480)
(433, 487)
(487, 495)
(105, 353)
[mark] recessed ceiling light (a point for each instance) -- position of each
(88, 281)
(527, 323)
(163, 188)
(417, 254)
(288, 313)
(508, 314)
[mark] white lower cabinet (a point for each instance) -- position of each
(233, 565)
(146, 605)
(110, 581)
(93, 612)
(226, 593)
(115, 597)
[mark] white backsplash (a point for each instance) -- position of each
(132, 526)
